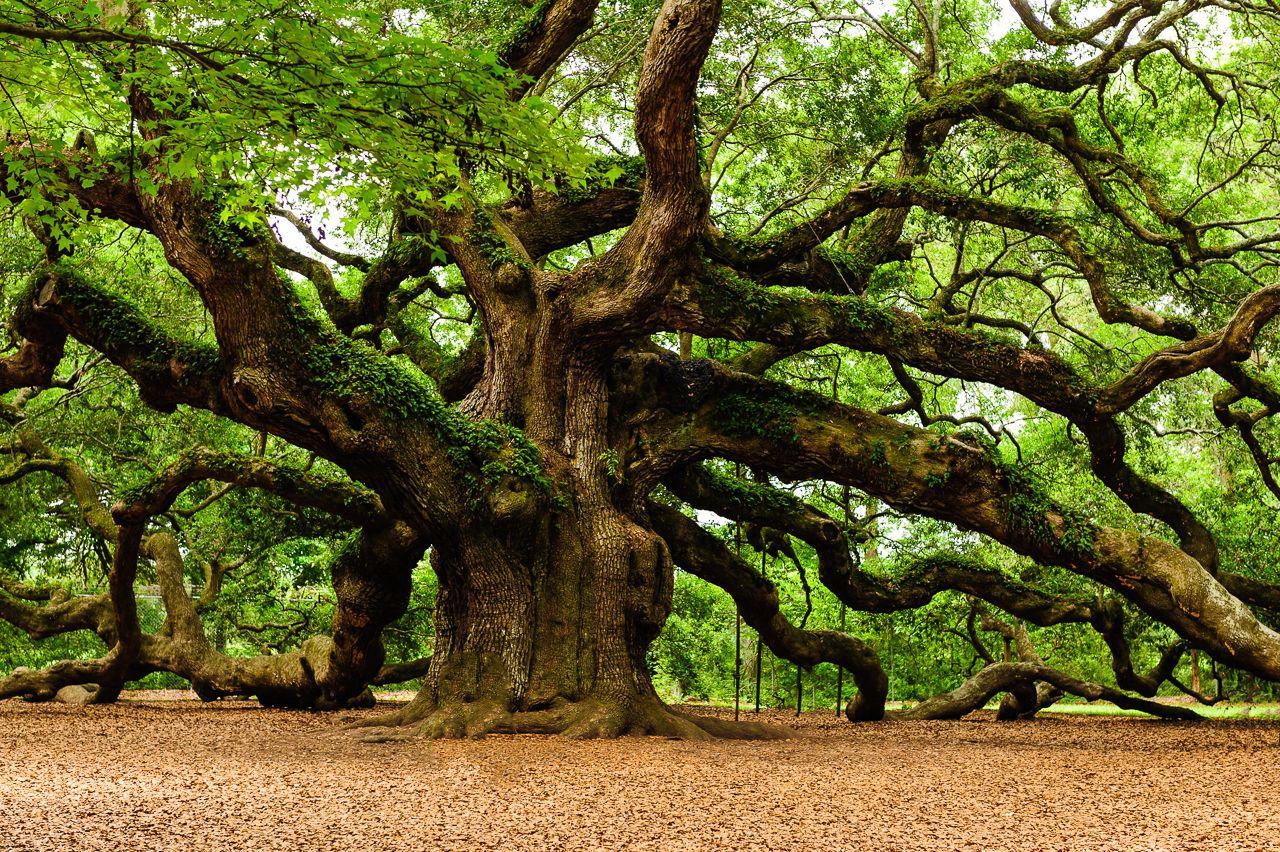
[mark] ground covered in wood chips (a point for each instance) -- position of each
(160, 775)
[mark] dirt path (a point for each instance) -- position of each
(178, 775)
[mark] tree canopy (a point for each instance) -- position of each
(496, 327)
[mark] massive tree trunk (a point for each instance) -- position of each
(544, 617)
(558, 615)
(549, 634)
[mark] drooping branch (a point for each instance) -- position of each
(1027, 699)
(371, 574)
(704, 556)
(323, 671)
(60, 613)
(920, 579)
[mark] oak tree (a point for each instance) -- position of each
(541, 287)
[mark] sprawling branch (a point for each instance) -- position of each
(323, 671)
(721, 304)
(371, 578)
(799, 436)
(1023, 699)
(168, 371)
(337, 497)
(860, 589)
(876, 195)
(1231, 344)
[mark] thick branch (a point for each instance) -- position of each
(337, 497)
(729, 306)
(546, 36)
(169, 372)
(920, 579)
(800, 436)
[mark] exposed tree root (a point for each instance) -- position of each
(1003, 677)
(1029, 686)
(727, 729)
(590, 718)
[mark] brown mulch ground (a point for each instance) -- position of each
(180, 775)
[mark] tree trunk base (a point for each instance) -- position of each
(590, 718)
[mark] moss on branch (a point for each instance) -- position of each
(488, 452)
(772, 416)
(1029, 509)
(617, 170)
(120, 328)
(727, 298)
